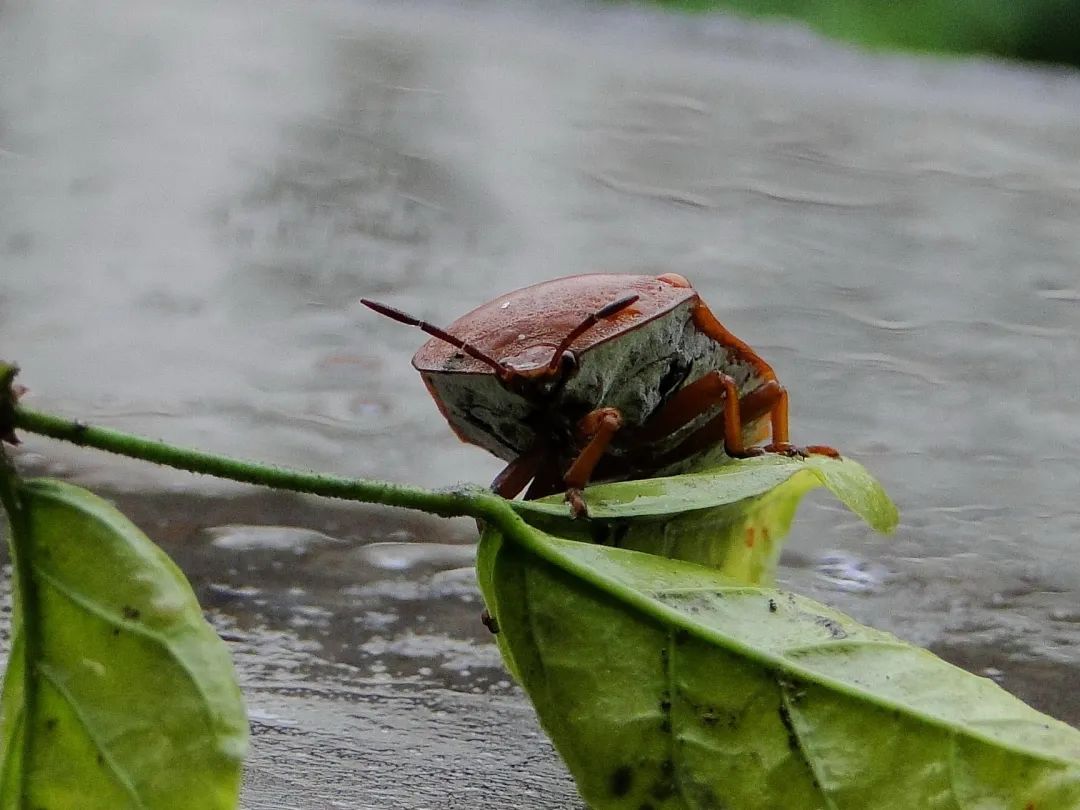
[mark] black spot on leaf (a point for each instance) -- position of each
(834, 628)
(622, 779)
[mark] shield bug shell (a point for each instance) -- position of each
(600, 377)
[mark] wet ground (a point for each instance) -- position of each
(192, 198)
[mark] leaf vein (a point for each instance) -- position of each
(122, 777)
(797, 744)
(140, 630)
(676, 765)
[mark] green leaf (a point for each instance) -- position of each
(730, 517)
(737, 479)
(131, 700)
(666, 685)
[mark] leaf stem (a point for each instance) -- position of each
(464, 501)
(447, 503)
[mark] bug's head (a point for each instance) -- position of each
(542, 368)
(537, 370)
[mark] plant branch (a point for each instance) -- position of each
(464, 501)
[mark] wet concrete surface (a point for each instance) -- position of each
(193, 197)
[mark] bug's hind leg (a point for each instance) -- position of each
(597, 429)
(772, 398)
(769, 397)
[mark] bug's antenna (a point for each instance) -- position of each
(590, 321)
(441, 334)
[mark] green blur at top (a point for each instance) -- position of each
(1036, 30)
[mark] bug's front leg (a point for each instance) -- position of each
(516, 475)
(596, 430)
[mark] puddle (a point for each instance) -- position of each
(191, 205)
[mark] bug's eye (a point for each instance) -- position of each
(531, 362)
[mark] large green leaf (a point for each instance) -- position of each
(666, 685)
(131, 700)
(731, 517)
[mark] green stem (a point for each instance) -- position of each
(25, 597)
(464, 502)
(446, 503)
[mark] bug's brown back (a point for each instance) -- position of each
(544, 314)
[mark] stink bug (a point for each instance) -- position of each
(600, 377)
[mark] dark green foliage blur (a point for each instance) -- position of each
(1037, 30)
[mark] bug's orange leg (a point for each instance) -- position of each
(733, 421)
(768, 398)
(690, 402)
(728, 426)
(704, 393)
(684, 406)
(762, 400)
(819, 450)
(707, 323)
(516, 475)
(598, 428)
(781, 442)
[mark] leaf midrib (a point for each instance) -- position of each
(136, 629)
(647, 604)
(121, 775)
